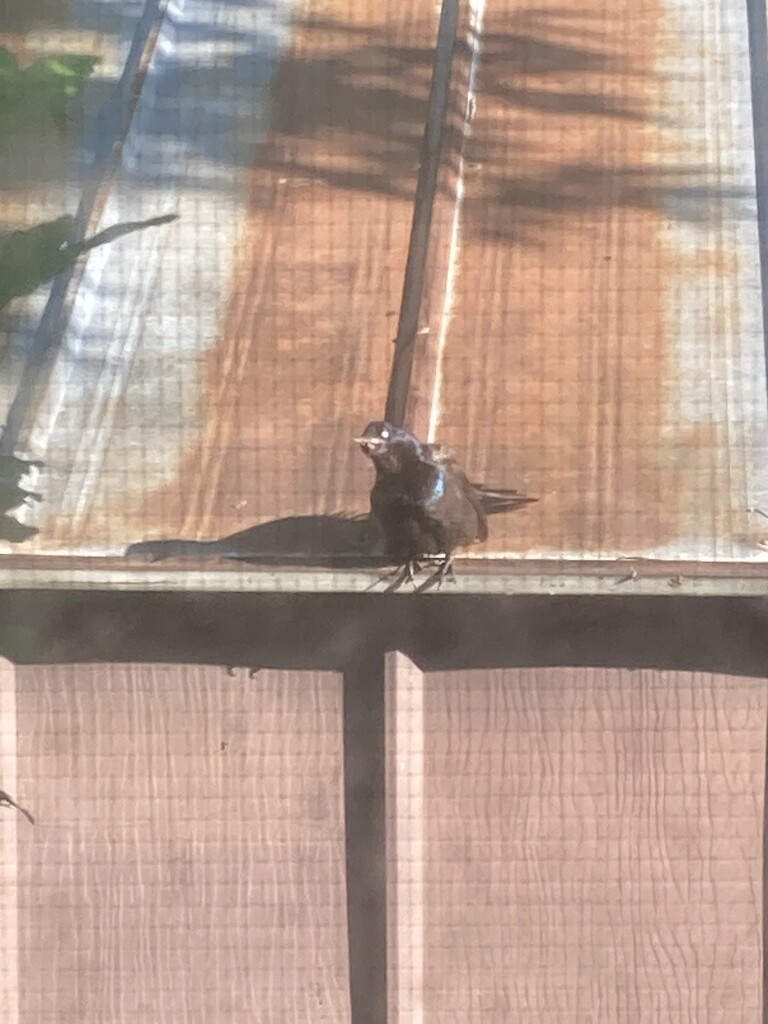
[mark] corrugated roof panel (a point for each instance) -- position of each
(211, 372)
(605, 349)
(46, 168)
(606, 346)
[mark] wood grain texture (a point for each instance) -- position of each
(606, 347)
(594, 847)
(365, 820)
(574, 846)
(9, 823)
(187, 864)
(406, 815)
(304, 345)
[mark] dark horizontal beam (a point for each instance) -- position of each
(328, 632)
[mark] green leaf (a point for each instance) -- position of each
(73, 65)
(8, 62)
(39, 92)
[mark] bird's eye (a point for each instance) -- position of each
(385, 435)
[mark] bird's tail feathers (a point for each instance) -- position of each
(501, 499)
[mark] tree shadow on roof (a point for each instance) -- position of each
(351, 117)
(347, 109)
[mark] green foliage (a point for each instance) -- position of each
(30, 257)
(38, 93)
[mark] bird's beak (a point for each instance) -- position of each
(368, 444)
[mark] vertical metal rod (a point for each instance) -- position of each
(764, 992)
(413, 285)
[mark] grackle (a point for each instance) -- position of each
(6, 801)
(424, 502)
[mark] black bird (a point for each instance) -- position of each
(423, 500)
(6, 801)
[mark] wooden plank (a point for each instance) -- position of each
(594, 846)
(189, 859)
(534, 576)
(9, 854)
(601, 226)
(144, 312)
(214, 373)
(606, 348)
(406, 836)
(365, 813)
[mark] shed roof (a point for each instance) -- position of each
(593, 325)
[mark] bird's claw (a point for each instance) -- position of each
(405, 573)
(444, 571)
(410, 569)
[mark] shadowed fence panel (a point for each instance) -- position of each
(594, 846)
(564, 845)
(188, 859)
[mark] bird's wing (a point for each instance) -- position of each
(493, 500)
(444, 456)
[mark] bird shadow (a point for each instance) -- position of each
(329, 540)
(553, 73)
(332, 540)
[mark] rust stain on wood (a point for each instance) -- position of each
(305, 348)
(558, 363)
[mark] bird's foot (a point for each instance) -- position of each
(444, 571)
(410, 569)
(405, 573)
